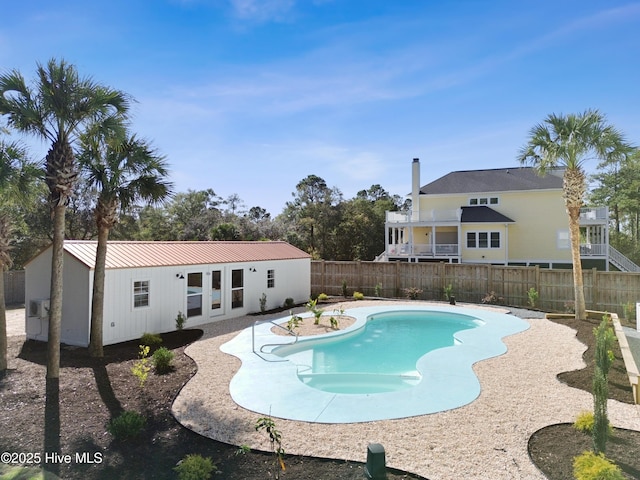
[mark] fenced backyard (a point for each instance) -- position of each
(615, 292)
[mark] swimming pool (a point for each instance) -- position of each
(352, 363)
(395, 361)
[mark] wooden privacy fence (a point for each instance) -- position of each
(604, 291)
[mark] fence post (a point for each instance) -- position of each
(595, 296)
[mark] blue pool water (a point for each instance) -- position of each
(378, 358)
(394, 362)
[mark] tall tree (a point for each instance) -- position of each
(57, 108)
(17, 174)
(568, 141)
(124, 170)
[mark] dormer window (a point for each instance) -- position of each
(473, 201)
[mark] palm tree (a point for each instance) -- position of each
(17, 173)
(57, 109)
(124, 170)
(568, 141)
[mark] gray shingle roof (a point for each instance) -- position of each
(483, 214)
(492, 180)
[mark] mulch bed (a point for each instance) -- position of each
(92, 391)
(553, 448)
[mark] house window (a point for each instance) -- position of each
(471, 240)
(483, 239)
(483, 201)
(562, 240)
(271, 278)
(194, 294)
(237, 288)
(495, 239)
(140, 293)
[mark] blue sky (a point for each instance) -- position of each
(251, 96)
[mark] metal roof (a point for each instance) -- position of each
(129, 254)
(493, 180)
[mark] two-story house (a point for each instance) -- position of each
(506, 216)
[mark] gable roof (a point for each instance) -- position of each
(483, 214)
(492, 180)
(129, 254)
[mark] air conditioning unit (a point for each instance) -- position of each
(39, 308)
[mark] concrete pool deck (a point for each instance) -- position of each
(484, 439)
(447, 379)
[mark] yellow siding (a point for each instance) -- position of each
(538, 215)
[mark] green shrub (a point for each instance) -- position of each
(151, 340)
(294, 322)
(141, 368)
(448, 292)
(289, 303)
(358, 295)
(195, 467)
(584, 423)
(127, 425)
(323, 296)
(344, 288)
(181, 319)
(163, 360)
(532, 297)
(590, 466)
(378, 290)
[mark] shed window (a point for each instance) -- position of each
(271, 278)
(237, 288)
(194, 294)
(140, 293)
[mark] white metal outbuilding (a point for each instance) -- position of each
(148, 283)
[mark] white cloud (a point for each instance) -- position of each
(262, 10)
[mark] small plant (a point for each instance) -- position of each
(591, 466)
(151, 340)
(532, 297)
(163, 360)
(344, 289)
(263, 303)
(141, 367)
(289, 302)
(322, 297)
(243, 449)
(448, 292)
(629, 311)
(492, 298)
(275, 437)
(195, 467)
(358, 296)
(584, 423)
(127, 425)
(313, 308)
(412, 293)
(181, 319)
(377, 289)
(294, 322)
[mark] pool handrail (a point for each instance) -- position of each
(253, 339)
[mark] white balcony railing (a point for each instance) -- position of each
(594, 215)
(433, 215)
(423, 250)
